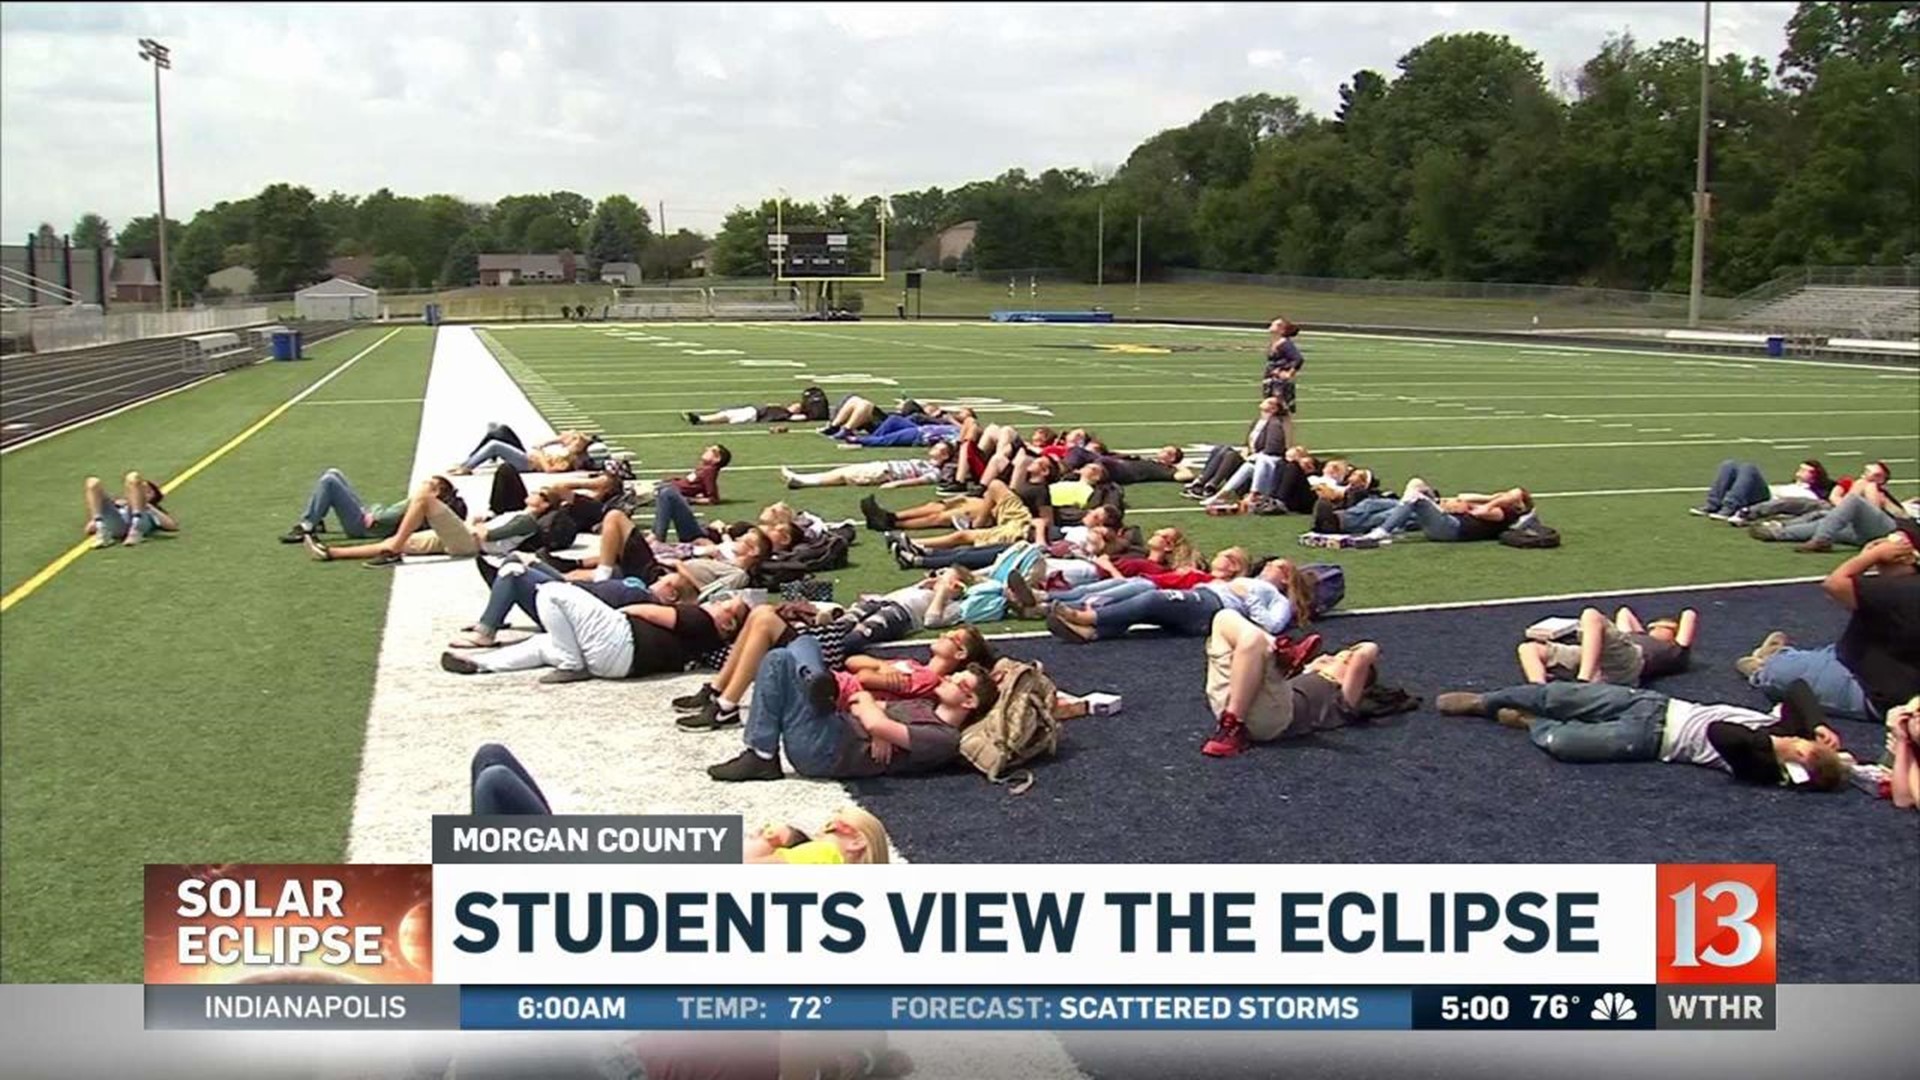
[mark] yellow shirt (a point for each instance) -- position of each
(813, 852)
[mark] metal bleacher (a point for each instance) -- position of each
(1858, 311)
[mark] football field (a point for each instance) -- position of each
(209, 695)
(1615, 445)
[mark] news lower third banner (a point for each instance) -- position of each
(675, 923)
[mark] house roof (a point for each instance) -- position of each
(525, 264)
(351, 267)
(338, 286)
(619, 268)
(135, 272)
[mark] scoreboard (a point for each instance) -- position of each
(812, 253)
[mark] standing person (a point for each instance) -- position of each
(1876, 663)
(1284, 362)
(128, 519)
(1623, 651)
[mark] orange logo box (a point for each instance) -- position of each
(289, 923)
(1716, 923)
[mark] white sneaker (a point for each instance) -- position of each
(788, 474)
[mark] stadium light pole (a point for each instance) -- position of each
(1100, 252)
(161, 57)
(1700, 197)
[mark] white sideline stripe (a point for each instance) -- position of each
(600, 746)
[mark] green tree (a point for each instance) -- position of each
(461, 265)
(391, 272)
(672, 256)
(92, 231)
(140, 238)
(549, 233)
(290, 245)
(618, 231)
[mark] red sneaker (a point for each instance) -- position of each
(1229, 739)
(1292, 655)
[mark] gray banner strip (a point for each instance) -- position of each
(302, 1007)
(588, 838)
(1717, 1008)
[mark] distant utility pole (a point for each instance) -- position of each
(1100, 252)
(161, 57)
(1702, 202)
(666, 267)
(1139, 246)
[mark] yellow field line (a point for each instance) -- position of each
(51, 570)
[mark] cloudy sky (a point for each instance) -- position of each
(702, 106)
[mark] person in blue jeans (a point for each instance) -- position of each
(359, 519)
(1593, 723)
(1876, 663)
(501, 785)
(671, 508)
(513, 586)
(1738, 487)
(129, 519)
(1459, 519)
(901, 431)
(1866, 514)
(797, 706)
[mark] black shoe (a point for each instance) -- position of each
(697, 700)
(877, 519)
(458, 664)
(1325, 518)
(709, 717)
(298, 534)
(693, 418)
(747, 766)
(907, 560)
(566, 675)
(385, 558)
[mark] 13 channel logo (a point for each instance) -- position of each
(1716, 923)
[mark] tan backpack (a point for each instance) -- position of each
(1020, 727)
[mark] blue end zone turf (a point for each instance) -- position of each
(1424, 788)
(1052, 316)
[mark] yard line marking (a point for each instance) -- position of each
(1655, 430)
(1616, 425)
(47, 573)
(1457, 605)
(1791, 446)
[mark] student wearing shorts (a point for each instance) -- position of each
(1262, 687)
(129, 519)
(998, 517)
(1622, 651)
(428, 525)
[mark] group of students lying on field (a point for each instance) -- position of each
(1816, 511)
(1036, 526)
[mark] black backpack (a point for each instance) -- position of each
(816, 556)
(813, 403)
(1530, 534)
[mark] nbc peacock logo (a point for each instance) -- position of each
(1614, 1005)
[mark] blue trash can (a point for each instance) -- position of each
(432, 314)
(286, 345)
(1776, 346)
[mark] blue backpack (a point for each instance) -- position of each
(1329, 586)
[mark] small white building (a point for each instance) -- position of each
(337, 298)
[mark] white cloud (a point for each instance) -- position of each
(702, 106)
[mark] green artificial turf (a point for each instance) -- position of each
(1580, 421)
(199, 696)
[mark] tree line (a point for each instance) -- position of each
(286, 236)
(1464, 164)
